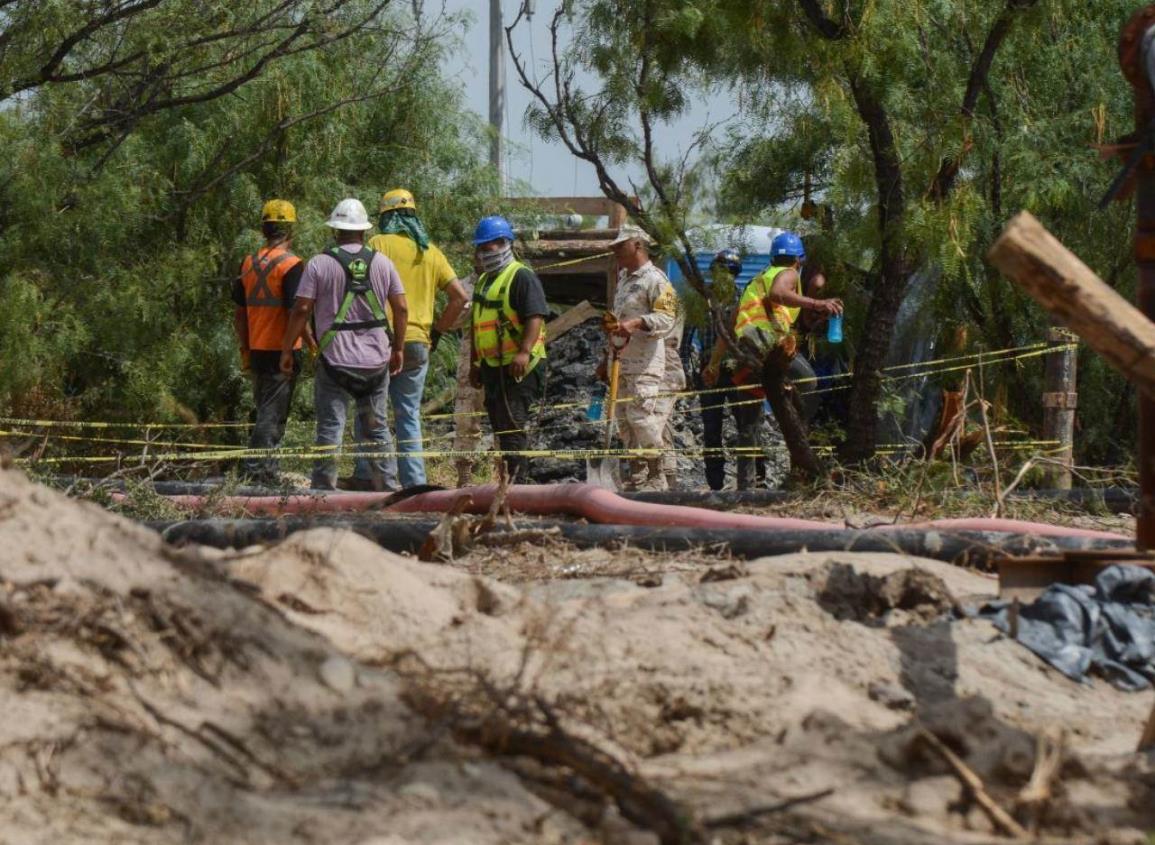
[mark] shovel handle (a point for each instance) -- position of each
(615, 371)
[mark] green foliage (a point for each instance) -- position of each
(1054, 89)
(807, 76)
(116, 260)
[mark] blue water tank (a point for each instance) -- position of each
(752, 265)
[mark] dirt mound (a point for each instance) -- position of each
(741, 674)
(325, 690)
(373, 603)
(148, 699)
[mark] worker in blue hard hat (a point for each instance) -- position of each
(765, 328)
(508, 339)
(772, 302)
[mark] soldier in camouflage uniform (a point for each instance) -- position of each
(645, 310)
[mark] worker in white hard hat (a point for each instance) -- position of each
(425, 272)
(345, 289)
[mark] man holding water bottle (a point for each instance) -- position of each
(765, 324)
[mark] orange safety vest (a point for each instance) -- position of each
(263, 277)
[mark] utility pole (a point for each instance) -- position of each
(497, 92)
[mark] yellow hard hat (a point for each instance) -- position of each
(396, 199)
(278, 211)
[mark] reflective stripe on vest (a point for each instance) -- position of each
(752, 312)
(497, 329)
(357, 286)
(263, 278)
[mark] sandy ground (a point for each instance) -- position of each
(291, 694)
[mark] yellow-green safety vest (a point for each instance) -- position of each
(497, 329)
(752, 311)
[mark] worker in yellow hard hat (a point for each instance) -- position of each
(424, 271)
(263, 294)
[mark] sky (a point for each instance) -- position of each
(547, 166)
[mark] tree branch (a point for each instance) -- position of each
(828, 27)
(977, 81)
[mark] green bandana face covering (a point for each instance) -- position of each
(405, 222)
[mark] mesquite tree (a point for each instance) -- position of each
(919, 126)
(116, 256)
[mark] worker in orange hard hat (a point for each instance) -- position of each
(424, 272)
(263, 294)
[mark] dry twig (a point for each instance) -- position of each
(1037, 794)
(974, 785)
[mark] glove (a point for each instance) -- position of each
(609, 322)
(434, 339)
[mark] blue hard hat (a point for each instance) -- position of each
(730, 259)
(789, 244)
(492, 228)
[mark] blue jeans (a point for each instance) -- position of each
(405, 391)
(371, 431)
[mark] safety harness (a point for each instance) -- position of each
(356, 266)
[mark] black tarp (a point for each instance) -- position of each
(1107, 627)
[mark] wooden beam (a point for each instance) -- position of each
(577, 247)
(573, 317)
(577, 205)
(1030, 256)
(606, 235)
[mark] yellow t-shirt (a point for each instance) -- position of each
(422, 275)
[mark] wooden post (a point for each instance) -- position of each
(1059, 403)
(1147, 740)
(1027, 254)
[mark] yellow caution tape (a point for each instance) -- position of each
(331, 452)
(980, 359)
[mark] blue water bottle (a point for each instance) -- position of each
(594, 411)
(834, 328)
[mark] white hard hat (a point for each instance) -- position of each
(349, 216)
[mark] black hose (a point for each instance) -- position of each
(1117, 500)
(964, 548)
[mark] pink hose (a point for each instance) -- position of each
(597, 505)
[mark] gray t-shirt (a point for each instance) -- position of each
(324, 282)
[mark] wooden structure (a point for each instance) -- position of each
(1026, 577)
(1034, 259)
(573, 264)
(1080, 300)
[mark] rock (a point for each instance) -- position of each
(890, 695)
(425, 792)
(726, 572)
(731, 603)
(338, 674)
(849, 594)
(930, 797)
